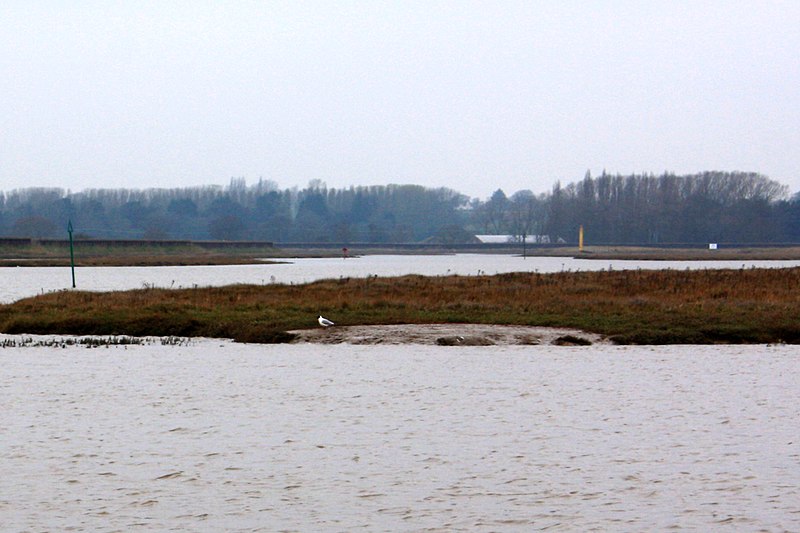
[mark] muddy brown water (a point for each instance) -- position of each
(216, 436)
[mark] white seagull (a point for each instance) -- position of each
(324, 322)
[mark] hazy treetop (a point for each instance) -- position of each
(471, 95)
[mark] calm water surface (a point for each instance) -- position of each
(16, 283)
(215, 436)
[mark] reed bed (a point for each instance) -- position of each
(629, 307)
(90, 342)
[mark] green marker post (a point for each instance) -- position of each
(71, 253)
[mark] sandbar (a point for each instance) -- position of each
(447, 335)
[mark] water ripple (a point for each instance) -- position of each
(216, 436)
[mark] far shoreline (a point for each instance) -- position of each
(153, 255)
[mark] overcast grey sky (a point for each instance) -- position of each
(472, 95)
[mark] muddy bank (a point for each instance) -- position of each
(447, 335)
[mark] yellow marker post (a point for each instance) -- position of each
(580, 238)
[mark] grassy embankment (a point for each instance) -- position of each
(726, 253)
(640, 307)
(156, 253)
(144, 254)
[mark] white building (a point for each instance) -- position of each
(502, 239)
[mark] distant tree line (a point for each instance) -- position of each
(707, 207)
(731, 207)
(391, 213)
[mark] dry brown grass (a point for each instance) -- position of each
(653, 307)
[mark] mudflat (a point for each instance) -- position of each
(447, 335)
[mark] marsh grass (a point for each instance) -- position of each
(638, 307)
(89, 342)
